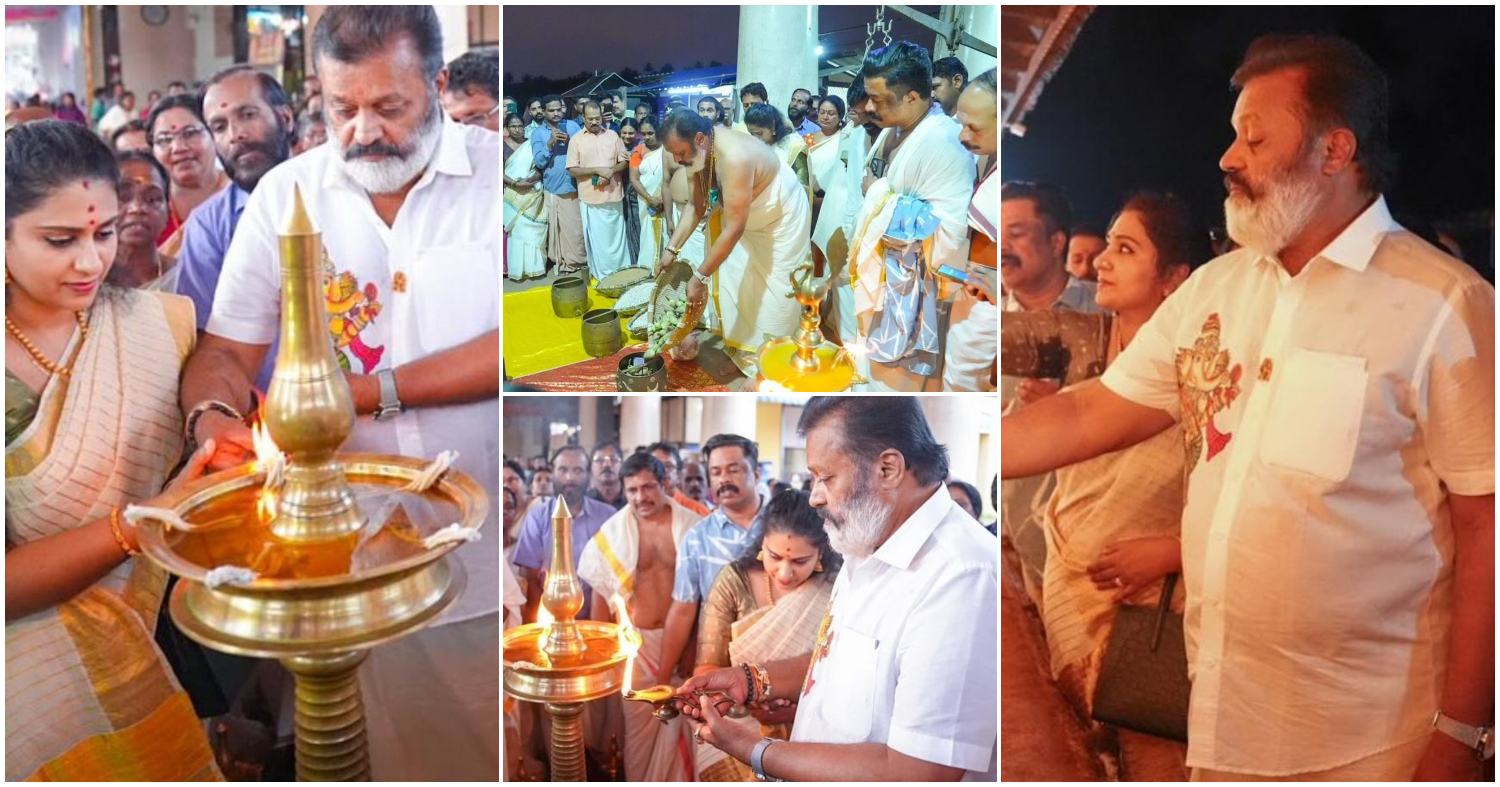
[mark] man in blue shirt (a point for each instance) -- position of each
(549, 151)
(802, 113)
(570, 477)
(722, 536)
(251, 119)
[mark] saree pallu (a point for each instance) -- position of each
(770, 633)
(88, 697)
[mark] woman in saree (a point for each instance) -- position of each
(827, 178)
(91, 424)
(767, 124)
(646, 178)
(767, 605)
(143, 192)
(525, 213)
(1113, 523)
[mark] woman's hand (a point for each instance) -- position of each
(1128, 566)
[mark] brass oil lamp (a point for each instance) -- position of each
(806, 361)
(338, 560)
(561, 662)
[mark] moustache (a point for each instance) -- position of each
(263, 148)
(1010, 259)
(377, 149)
(968, 147)
(1232, 181)
(726, 488)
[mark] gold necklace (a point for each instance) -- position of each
(771, 597)
(41, 360)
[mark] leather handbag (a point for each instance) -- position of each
(1143, 680)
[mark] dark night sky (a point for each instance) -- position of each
(1143, 101)
(557, 41)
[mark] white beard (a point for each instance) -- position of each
(388, 176)
(865, 521)
(1284, 209)
(700, 160)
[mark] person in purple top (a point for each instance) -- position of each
(570, 477)
(250, 117)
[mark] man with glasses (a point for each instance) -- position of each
(473, 92)
(734, 475)
(604, 485)
(669, 456)
(250, 118)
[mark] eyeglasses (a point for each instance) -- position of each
(188, 135)
(478, 118)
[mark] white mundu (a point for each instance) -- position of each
(396, 294)
(1327, 419)
(909, 657)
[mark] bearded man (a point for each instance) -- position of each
(902, 684)
(759, 231)
(423, 360)
(1335, 383)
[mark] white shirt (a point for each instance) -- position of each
(1332, 413)
(911, 657)
(443, 247)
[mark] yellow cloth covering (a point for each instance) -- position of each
(537, 340)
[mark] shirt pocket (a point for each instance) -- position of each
(457, 290)
(847, 678)
(1313, 423)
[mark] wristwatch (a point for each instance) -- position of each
(390, 403)
(697, 274)
(1481, 739)
(757, 758)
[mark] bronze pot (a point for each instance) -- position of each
(601, 333)
(655, 379)
(570, 296)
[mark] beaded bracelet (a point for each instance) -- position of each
(749, 684)
(119, 534)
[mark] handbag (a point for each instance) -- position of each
(1143, 680)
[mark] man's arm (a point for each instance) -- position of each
(465, 373)
(1469, 688)
(222, 370)
(533, 594)
(736, 187)
(1073, 426)
(856, 762)
(680, 619)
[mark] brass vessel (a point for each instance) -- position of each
(563, 662)
(806, 361)
(338, 552)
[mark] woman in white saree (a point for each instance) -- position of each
(525, 211)
(646, 177)
(763, 607)
(92, 423)
(828, 179)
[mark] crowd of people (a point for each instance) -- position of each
(142, 284)
(1298, 424)
(720, 566)
(588, 182)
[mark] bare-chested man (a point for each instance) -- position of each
(634, 557)
(759, 224)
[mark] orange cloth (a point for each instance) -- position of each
(687, 502)
(598, 374)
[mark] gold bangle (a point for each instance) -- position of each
(119, 533)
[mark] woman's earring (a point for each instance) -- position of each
(761, 555)
(818, 569)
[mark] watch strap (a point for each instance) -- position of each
(390, 401)
(757, 759)
(1480, 739)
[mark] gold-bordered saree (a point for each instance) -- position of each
(88, 697)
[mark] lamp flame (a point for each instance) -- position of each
(629, 641)
(543, 619)
(268, 455)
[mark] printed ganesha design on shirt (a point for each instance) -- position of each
(1206, 384)
(351, 309)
